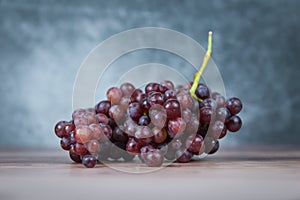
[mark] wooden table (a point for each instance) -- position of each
(233, 173)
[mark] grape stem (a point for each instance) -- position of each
(198, 74)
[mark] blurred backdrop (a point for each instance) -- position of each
(43, 42)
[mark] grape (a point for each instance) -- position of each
(168, 84)
(93, 146)
(130, 126)
(193, 125)
(69, 127)
(154, 158)
(155, 98)
(78, 113)
(124, 102)
(183, 156)
(114, 95)
(202, 91)
(217, 129)
(144, 120)
(152, 87)
(137, 96)
(173, 108)
(144, 150)
(185, 100)
(187, 115)
(205, 114)
(60, 129)
(107, 133)
(132, 146)
(127, 89)
(102, 118)
(209, 102)
(119, 135)
(83, 134)
(66, 142)
(234, 123)
(211, 145)
(89, 161)
(159, 135)
(135, 111)
(143, 135)
(194, 143)
(103, 107)
(170, 94)
(220, 100)
(145, 105)
(234, 105)
(75, 157)
(117, 113)
(80, 149)
(158, 116)
(223, 114)
(177, 126)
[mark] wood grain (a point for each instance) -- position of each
(235, 173)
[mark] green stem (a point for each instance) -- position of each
(198, 75)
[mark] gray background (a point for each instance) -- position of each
(42, 44)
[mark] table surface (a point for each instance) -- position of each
(232, 173)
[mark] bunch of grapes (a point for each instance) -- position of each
(157, 123)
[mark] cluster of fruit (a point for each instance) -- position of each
(161, 122)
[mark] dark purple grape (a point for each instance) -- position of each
(145, 105)
(183, 156)
(162, 89)
(66, 142)
(234, 105)
(89, 161)
(220, 100)
(211, 145)
(154, 158)
(103, 107)
(173, 108)
(216, 130)
(75, 157)
(155, 98)
(176, 126)
(223, 114)
(102, 118)
(80, 149)
(114, 95)
(170, 94)
(119, 135)
(143, 135)
(133, 147)
(60, 129)
(194, 143)
(205, 115)
(223, 133)
(152, 87)
(137, 96)
(209, 102)
(234, 123)
(127, 89)
(144, 120)
(202, 91)
(69, 127)
(135, 111)
(107, 133)
(168, 84)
